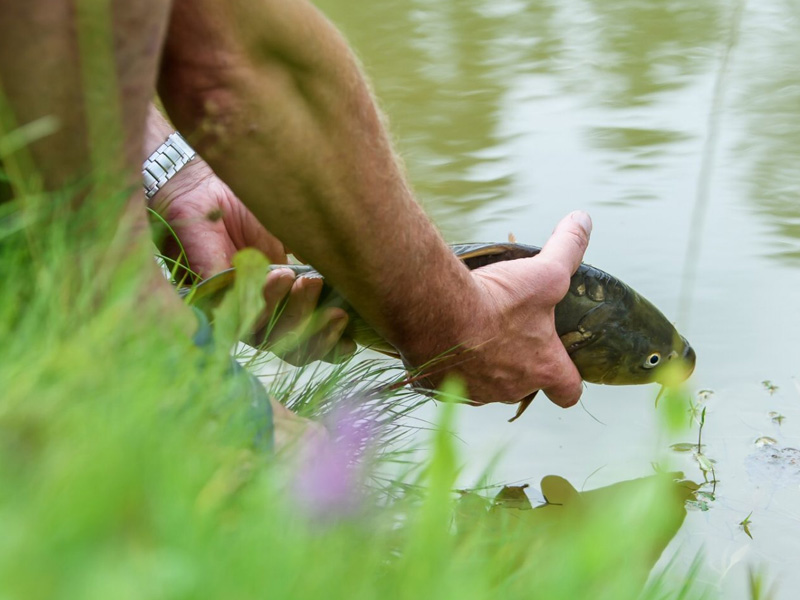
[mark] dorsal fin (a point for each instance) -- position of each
(479, 255)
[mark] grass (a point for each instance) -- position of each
(130, 468)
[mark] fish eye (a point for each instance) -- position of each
(652, 360)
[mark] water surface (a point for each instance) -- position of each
(676, 124)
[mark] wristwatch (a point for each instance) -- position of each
(162, 165)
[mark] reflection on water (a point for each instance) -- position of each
(627, 138)
(646, 48)
(509, 113)
(444, 72)
(769, 103)
(773, 466)
(640, 148)
(438, 69)
(634, 520)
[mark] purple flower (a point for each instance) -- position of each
(329, 480)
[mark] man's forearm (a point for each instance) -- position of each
(157, 130)
(281, 111)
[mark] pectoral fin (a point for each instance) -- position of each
(523, 405)
(575, 340)
(660, 393)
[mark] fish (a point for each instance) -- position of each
(613, 334)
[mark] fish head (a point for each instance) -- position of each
(628, 341)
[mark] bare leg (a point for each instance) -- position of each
(89, 67)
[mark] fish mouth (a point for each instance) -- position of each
(680, 367)
(689, 357)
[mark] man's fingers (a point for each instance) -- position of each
(345, 348)
(567, 386)
(566, 247)
(321, 340)
(296, 331)
(569, 240)
(295, 315)
(278, 284)
(335, 347)
(324, 343)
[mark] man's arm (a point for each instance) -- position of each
(210, 222)
(270, 94)
(212, 225)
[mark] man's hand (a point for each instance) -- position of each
(513, 349)
(210, 221)
(212, 225)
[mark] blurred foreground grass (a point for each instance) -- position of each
(129, 468)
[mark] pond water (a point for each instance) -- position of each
(676, 124)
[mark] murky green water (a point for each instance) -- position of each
(676, 124)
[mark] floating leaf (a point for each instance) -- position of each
(745, 525)
(513, 496)
(557, 490)
(769, 386)
(698, 504)
(706, 464)
(777, 417)
(685, 447)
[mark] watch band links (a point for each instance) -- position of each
(169, 158)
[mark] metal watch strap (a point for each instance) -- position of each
(169, 158)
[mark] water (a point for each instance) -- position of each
(509, 114)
